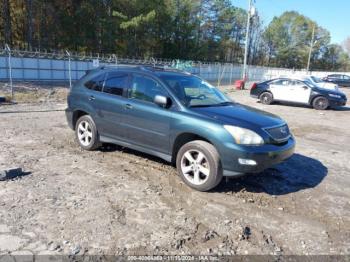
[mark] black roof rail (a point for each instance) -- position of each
(147, 67)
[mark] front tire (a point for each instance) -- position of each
(86, 133)
(266, 98)
(198, 164)
(320, 103)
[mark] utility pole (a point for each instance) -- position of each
(8, 49)
(250, 14)
(311, 47)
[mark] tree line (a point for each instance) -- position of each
(203, 30)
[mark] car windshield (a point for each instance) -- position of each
(316, 79)
(309, 83)
(195, 92)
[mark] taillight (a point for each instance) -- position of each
(254, 86)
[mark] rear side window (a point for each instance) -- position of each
(281, 82)
(96, 83)
(334, 76)
(116, 83)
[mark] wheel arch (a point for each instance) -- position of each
(265, 91)
(312, 99)
(184, 138)
(76, 115)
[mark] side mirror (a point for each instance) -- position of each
(162, 101)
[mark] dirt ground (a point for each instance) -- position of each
(117, 201)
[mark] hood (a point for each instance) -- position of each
(240, 115)
(334, 90)
(328, 86)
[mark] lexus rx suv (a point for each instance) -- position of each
(178, 117)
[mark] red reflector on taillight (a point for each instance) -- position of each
(254, 86)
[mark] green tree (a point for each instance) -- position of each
(288, 38)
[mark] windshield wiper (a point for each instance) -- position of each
(213, 105)
(200, 105)
(227, 103)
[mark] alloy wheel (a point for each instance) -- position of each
(195, 167)
(84, 133)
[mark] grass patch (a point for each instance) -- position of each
(38, 95)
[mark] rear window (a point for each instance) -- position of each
(116, 83)
(96, 83)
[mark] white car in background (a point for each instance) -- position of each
(298, 91)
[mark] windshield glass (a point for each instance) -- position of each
(316, 79)
(195, 92)
(309, 83)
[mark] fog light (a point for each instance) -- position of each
(247, 162)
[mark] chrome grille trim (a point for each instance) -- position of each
(278, 139)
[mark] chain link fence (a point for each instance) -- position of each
(63, 68)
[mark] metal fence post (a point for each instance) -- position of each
(69, 69)
(10, 69)
(231, 74)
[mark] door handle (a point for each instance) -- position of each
(128, 106)
(92, 98)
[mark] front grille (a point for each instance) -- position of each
(279, 134)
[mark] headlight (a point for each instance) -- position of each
(244, 136)
(335, 96)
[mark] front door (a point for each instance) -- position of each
(300, 92)
(148, 124)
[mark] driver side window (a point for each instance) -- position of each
(145, 89)
(297, 83)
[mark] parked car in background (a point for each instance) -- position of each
(297, 91)
(339, 79)
(320, 83)
(178, 117)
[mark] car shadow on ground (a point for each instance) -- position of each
(296, 174)
(106, 148)
(344, 108)
(286, 104)
(13, 174)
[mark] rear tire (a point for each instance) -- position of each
(320, 103)
(198, 164)
(266, 98)
(86, 133)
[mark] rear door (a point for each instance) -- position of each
(148, 124)
(111, 105)
(280, 89)
(337, 79)
(346, 80)
(93, 96)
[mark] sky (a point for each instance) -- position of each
(332, 15)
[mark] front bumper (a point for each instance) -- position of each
(265, 156)
(337, 102)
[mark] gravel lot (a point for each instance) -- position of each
(118, 201)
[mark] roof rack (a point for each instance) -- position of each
(145, 68)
